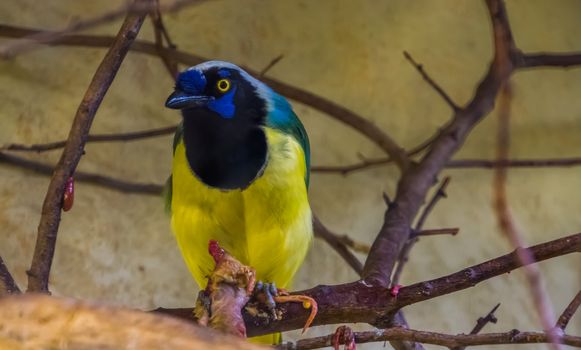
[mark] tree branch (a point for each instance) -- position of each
(544, 60)
(7, 283)
(51, 210)
(129, 136)
(431, 82)
(446, 340)
(328, 107)
(569, 311)
(332, 239)
(481, 323)
(361, 302)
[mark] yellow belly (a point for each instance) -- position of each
(267, 225)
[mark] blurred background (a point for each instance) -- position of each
(118, 248)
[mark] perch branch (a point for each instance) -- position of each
(51, 210)
(509, 226)
(129, 136)
(446, 340)
(361, 302)
(431, 82)
(7, 283)
(569, 312)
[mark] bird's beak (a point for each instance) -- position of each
(180, 100)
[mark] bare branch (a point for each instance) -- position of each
(7, 283)
(332, 239)
(161, 34)
(129, 136)
(81, 176)
(569, 312)
(431, 82)
(22, 45)
(481, 323)
(271, 64)
(508, 224)
(446, 340)
(437, 231)
(362, 302)
(544, 60)
(51, 210)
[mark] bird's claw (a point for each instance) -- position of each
(265, 293)
(344, 335)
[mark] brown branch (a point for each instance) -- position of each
(405, 251)
(271, 64)
(508, 224)
(161, 34)
(81, 176)
(32, 41)
(129, 136)
(446, 340)
(348, 117)
(51, 210)
(431, 82)
(543, 60)
(333, 240)
(455, 164)
(481, 323)
(361, 302)
(7, 283)
(569, 311)
(437, 231)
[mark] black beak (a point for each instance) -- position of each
(180, 100)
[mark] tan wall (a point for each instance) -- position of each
(119, 248)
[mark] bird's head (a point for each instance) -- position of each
(220, 87)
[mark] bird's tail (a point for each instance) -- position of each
(269, 339)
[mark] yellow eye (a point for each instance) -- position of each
(223, 85)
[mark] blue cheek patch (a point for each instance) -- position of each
(224, 105)
(192, 82)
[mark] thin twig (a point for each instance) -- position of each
(32, 41)
(437, 231)
(122, 186)
(569, 311)
(271, 64)
(51, 210)
(509, 226)
(456, 164)
(161, 34)
(129, 136)
(7, 283)
(431, 82)
(481, 323)
(405, 251)
(446, 340)
(332, 239)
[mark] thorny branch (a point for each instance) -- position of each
(51, 210)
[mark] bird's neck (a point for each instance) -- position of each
(223, 153)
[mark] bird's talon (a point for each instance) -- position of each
(308, 303)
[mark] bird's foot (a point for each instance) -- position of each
(265, 293)
(308, 303)
(344, 335)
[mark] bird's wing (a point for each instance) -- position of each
(283, 118)
(167, 190)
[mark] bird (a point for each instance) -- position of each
(240, 175)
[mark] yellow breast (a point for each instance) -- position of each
(267, 225)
